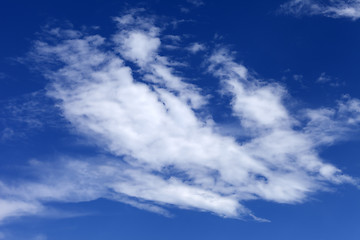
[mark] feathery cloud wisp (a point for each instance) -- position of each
(331, 8)
(163, 151)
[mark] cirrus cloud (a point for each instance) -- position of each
(330, 8)
(163, 146)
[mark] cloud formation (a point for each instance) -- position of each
(196, 47)
(163, 148)
(197, 3)
(329, 8)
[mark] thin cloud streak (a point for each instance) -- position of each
(331, 8)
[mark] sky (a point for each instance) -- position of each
(186, 119)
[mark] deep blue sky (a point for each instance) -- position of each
(275, 47)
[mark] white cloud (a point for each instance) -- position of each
(196, 47)
(326, 79)
(323, 78)
(143, 50)
(139, 46)
(13, 208)
(330, 8)
(164, 153)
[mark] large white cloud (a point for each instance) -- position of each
(163, 152)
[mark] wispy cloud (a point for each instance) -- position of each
(197, 3)
(329, 8)
(323, 78)
(196, 47)
(22, 115)
(326, 79)
(166, 149)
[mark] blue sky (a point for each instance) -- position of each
(179, 120)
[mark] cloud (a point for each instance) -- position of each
(197, 3)
(196, 47)
(184, 10)
(298, 77)
(323, 78)
(162, 146)
(330, 8)
(25, 114)
(326, 79)
(15, 208)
